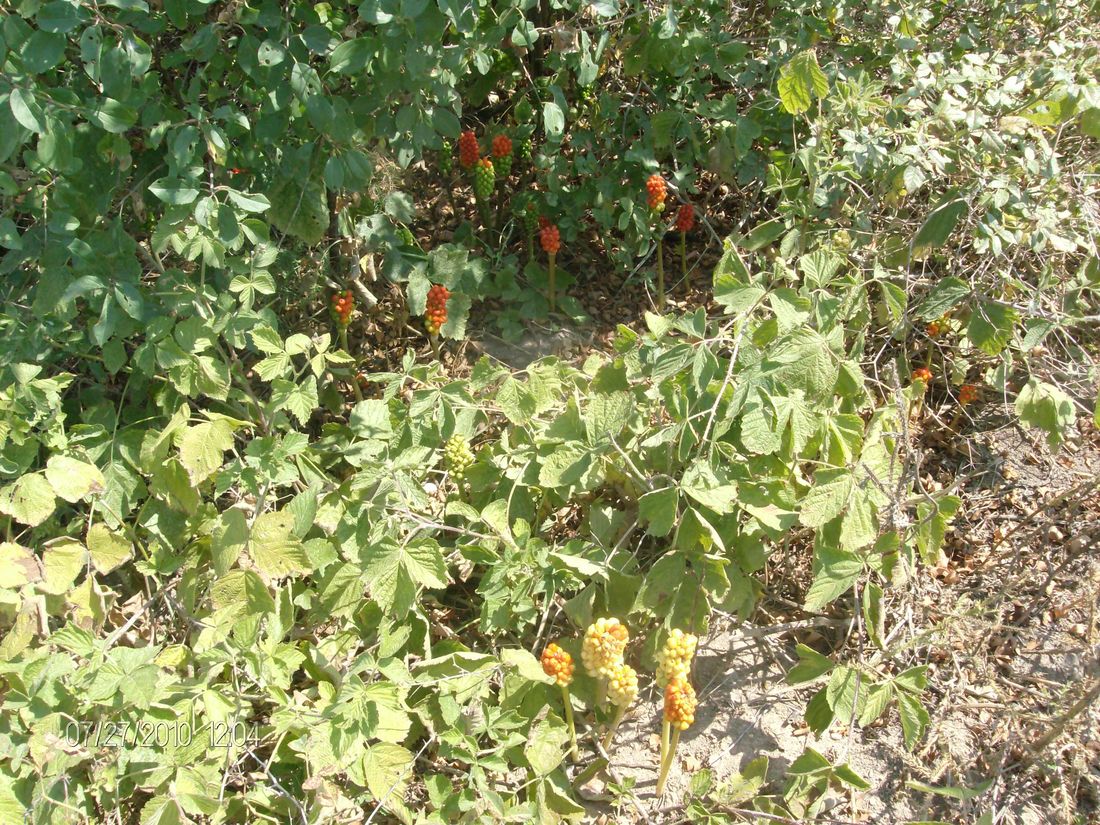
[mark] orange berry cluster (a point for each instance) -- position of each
(685, 218)
(467, 149)
(435, 316)
(549, 237)
(655, 186)
(557, 664)
(968, 394)
(680, 703)
(934, 329)
(924, 375)
(343, 304)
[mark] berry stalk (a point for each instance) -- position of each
(660, 277)
(569, 721)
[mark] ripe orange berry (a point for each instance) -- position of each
(924, 375)
(557, 664)
(655, 186)
(933, 329)
(680, 703)
(467, 149)
(550, 238)
(685, 218)
(502, 146)
(968, 394)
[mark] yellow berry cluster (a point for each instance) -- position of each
(674, 657)
(557, 664)
(603, 647)
(680, 703)
(622, 685)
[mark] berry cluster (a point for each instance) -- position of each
(446, 162)
(458, 457)
(467, 149)
(530, 216)
(934, 329)
(685, 218)
(525, 149)
(622, 685)
(435, 316)
(924, 375)
(549, 237)
(674, 657)
(343, 304)
(603, 647)
(680, 704)
(406, 236)
(557, 664)
(484, 179)
(502, 154)
(655, 186)
(968, 394)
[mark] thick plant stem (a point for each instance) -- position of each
(684, 262)
(614, 727)
(660, 277)
(434, 338)
(569, 721)
(601, 690)
(666, 730)
(355, 370)
(550, 278)
(666, 763)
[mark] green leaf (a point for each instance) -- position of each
(811, 665)
(940, 223)
(837, 571)
(26, 110)
(107, 548)
(274, 550)
(29, 500)
(553, 120)
(844, 692)
(202, 448)
(174, 191)
(526, 664)
(1046, 407)
(800, 81)
(914, 718)
(658, 509)
(243, 590)
(827, 498)
(545, 746)
(877, 700)
(953, 792)
(62, 562)
(932, 521)
(945, 295)
(248, 201)
(394, 571)
(72, 480)
(387, 768)
(990, 326)
(161, 810)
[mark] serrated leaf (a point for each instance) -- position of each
(944, 296)
(545, 746)
(914, 718)
(202, 448)
(837, 571)
(939, 224)
(800, 81)
(811, 665)
(107, 548)
(243, 590)
(827, 498)
(387, 768)
(18, 566)
(62, 562)
(72, 480)
(274, 550)
(30, 500)
(525, 664)
(990, 326)
(1048, 408)
(658, 509)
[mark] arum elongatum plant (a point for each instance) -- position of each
(343, 305)
(685, 221)
(558, 665)
(656, 192)
(680, 704)
(622, 690)
(550, 238)
(604, 643)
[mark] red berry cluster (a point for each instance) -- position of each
(655, 186)
(968, 394)
(467, 149)
(685, 218)
(502, 146)
(550, 238)
(924, 375)
(435, 316)
(343, 304)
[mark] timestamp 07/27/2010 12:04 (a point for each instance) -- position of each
(160, 734)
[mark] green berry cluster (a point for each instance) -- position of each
(446, 161)
(406, 236)
(458, 457)
(484, 179)
(525, 148)
(530, 215)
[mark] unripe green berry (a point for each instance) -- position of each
(457, 457)
(484, 179)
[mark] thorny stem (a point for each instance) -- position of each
(354, 368)
(666, 762)
(569, 721)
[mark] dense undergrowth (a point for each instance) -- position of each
(244, 580)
